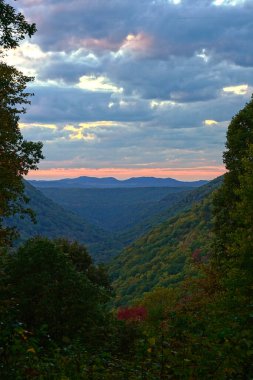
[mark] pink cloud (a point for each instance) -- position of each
(138, 43)
(93, 44)
(187, 174)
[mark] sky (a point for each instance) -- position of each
(129, 88)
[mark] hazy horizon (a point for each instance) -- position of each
(178, 175)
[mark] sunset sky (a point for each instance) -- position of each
(135, 87)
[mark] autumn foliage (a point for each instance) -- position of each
(132, 314)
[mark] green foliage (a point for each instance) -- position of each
(13, 90)
(18, 156)
(234, 243)
(51, 292)
(54, 322)
(239, 140)
(163, 258)
(82, 262)
(166, 208)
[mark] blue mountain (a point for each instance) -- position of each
(110, 182)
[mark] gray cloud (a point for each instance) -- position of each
(178, 30)
(172, 63)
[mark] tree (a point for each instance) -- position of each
(54, 318)
(13, 26)
(80, 258)
(51, 292)
(12, 89)
(239, 140)
(17, 156)
(233, 256)
(243, 236)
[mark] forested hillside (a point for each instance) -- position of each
(166, 208)
(53, 221)
(164, 257)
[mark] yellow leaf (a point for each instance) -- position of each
(31, 349)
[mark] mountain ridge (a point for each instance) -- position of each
(111, 182)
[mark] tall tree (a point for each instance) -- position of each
(17, 156)
(51, 291)
(233, 258)
(239, 140)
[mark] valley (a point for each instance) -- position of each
(105, 220)
(115, 210)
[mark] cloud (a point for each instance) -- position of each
(97, 84)
(35, 125)
(210, 122)
(237, 90)
(133, 83)
(228, 2)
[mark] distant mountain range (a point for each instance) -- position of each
(110, 182)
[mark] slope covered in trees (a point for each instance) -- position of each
(166, 208)
(164, 256)
(54, 221)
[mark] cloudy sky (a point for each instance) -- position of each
(135, 87)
